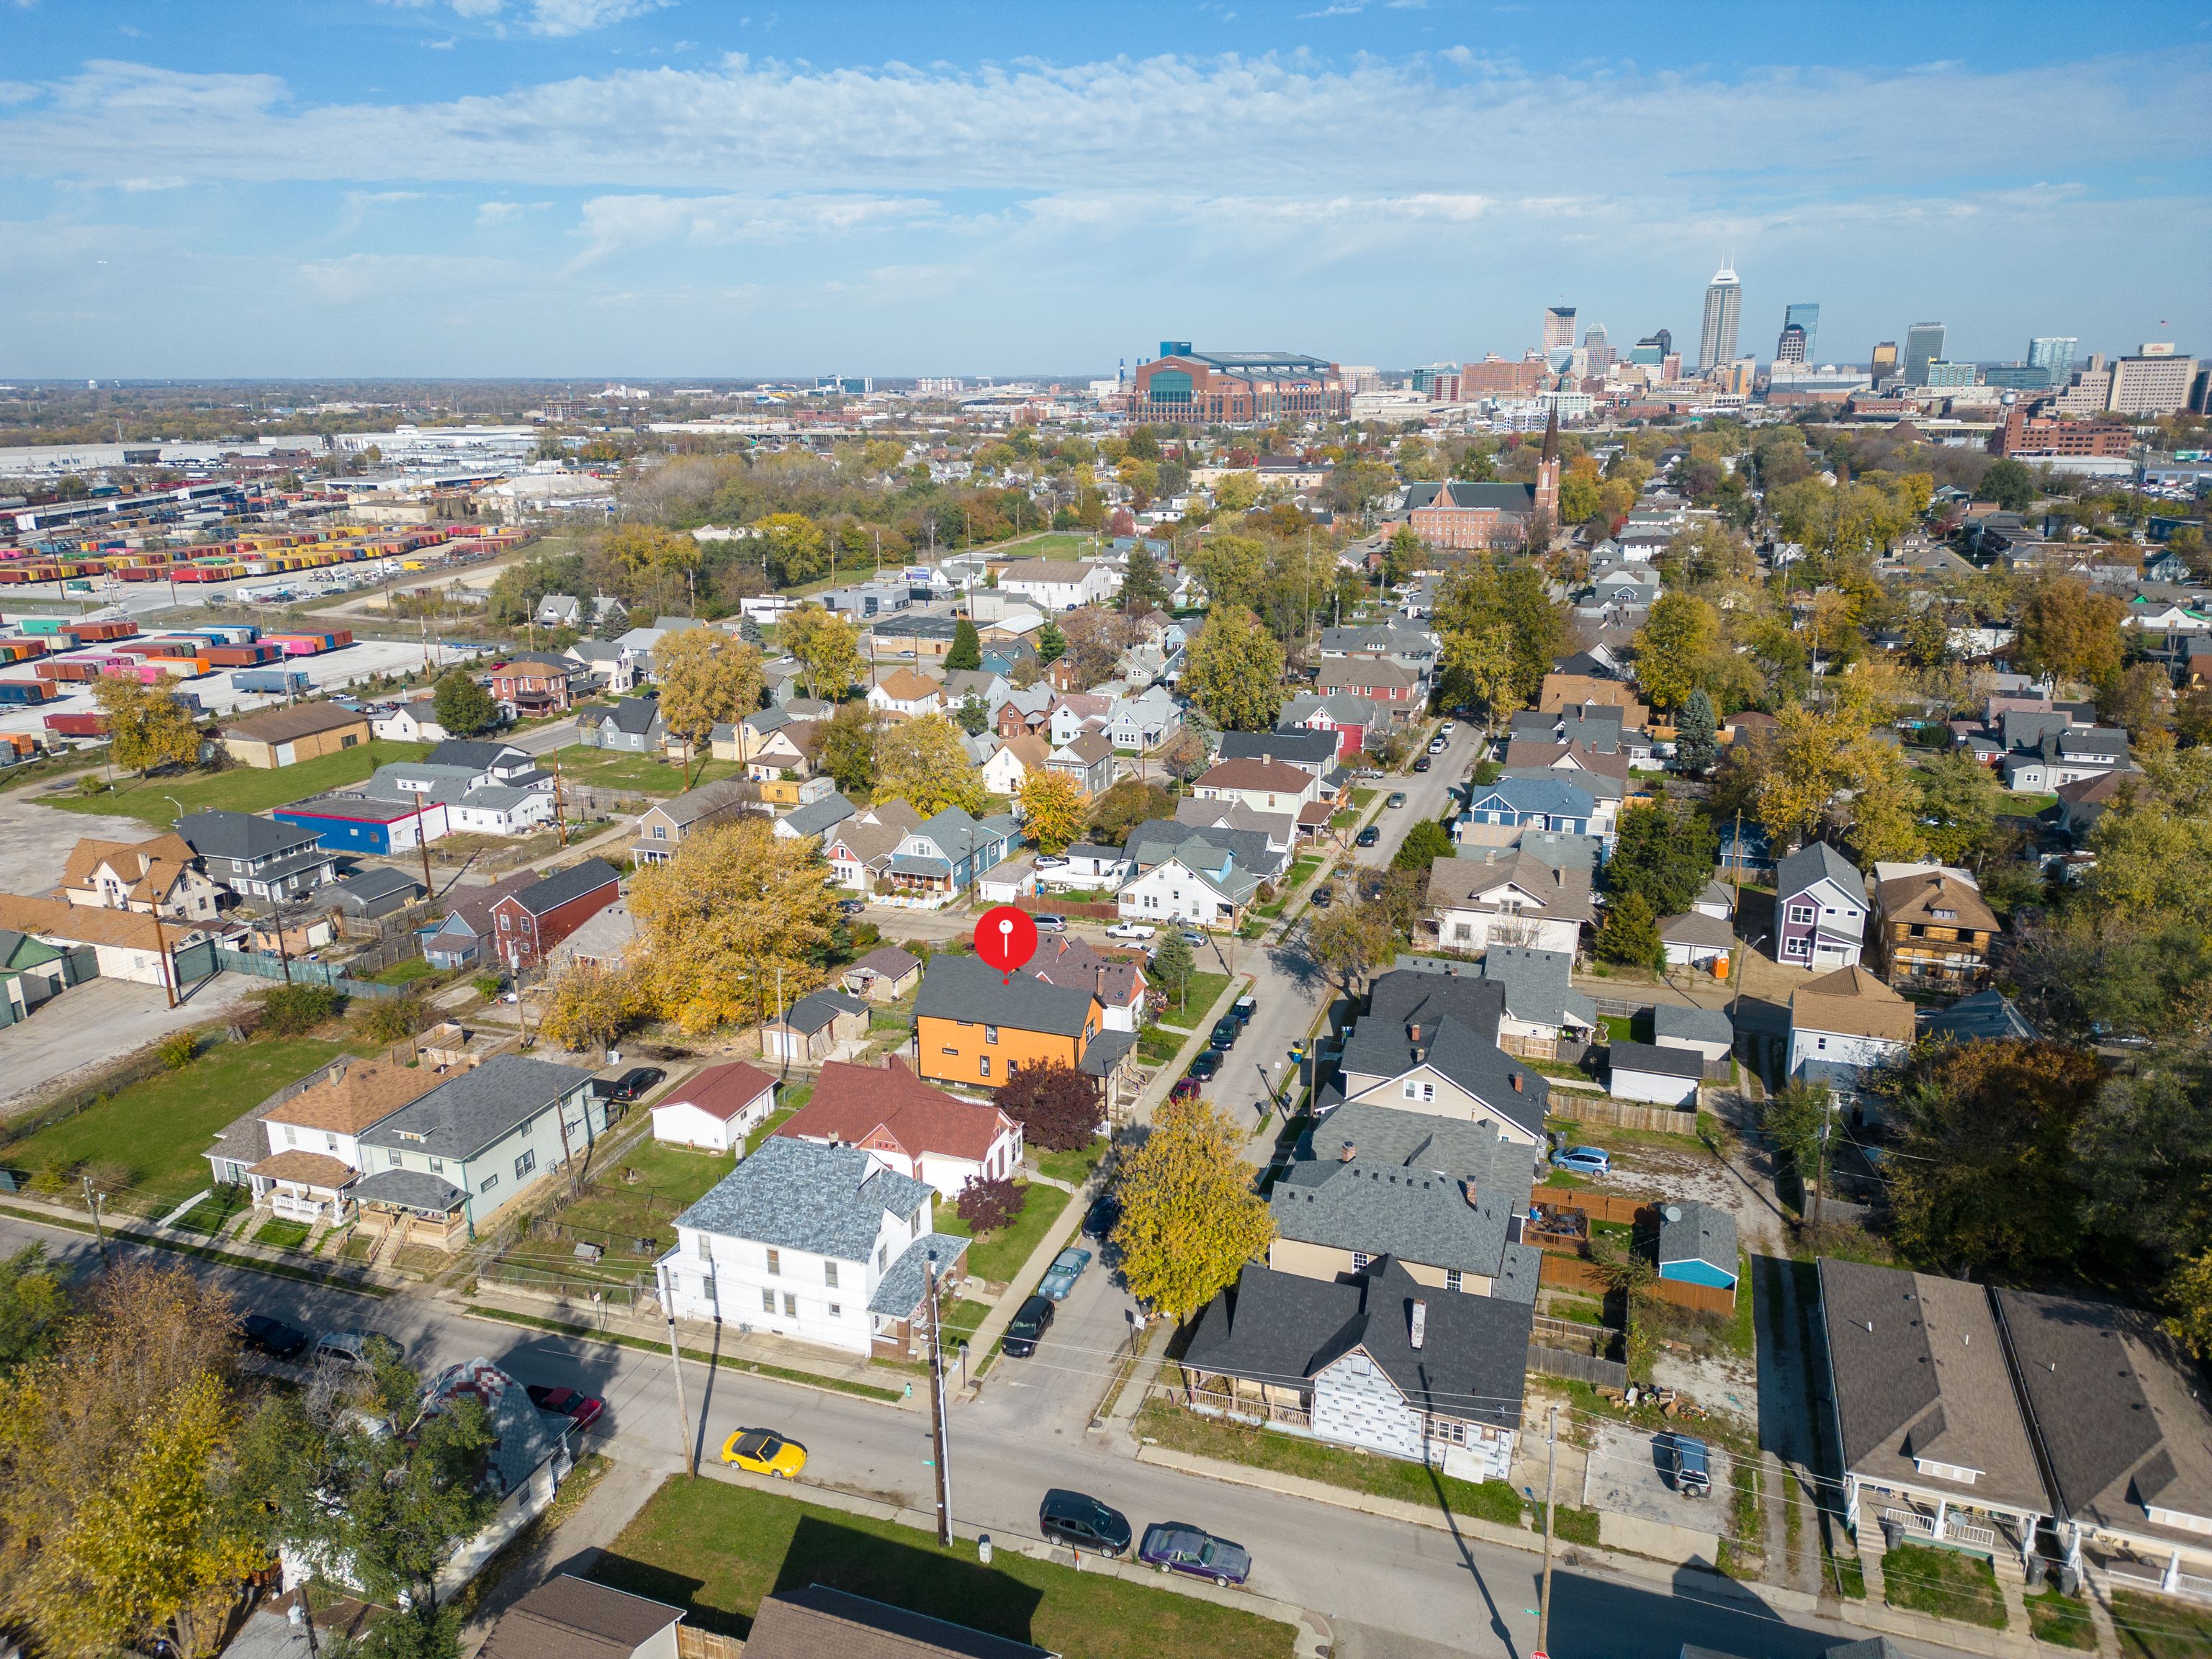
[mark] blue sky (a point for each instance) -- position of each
(709, 187)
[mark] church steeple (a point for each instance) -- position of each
(1547, 471)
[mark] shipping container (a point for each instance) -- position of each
(26, 691)
(42, 624)
(240, 656)
(284, 682)
(77, 726)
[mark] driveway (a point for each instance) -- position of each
(35, 839)
(91, 1024)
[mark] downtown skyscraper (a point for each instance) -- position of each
(1723, 311)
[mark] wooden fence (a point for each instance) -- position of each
(1598, 1207)
(1572, 1273)
(1621, 1114)
(1044, 904)
(1582, 1367)
(706, 1644)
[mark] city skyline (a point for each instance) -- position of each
(633, 187)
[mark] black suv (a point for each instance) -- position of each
(1083, 1522)
(1224, 1032)
(629, 1085)
(1027, 1328)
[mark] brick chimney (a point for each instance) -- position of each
(1350, 1151)
(1420, 1331)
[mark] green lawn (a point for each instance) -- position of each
(407, 972)
(1301, 870)
(211, 1213)
(159, 1130)
(2060, 1620)
(1339, 1465)
(1157, 1046)
(616, 1212)
(284, 1235)
(1943, 1583)
(717, 1550)
(241, 789)
(647, 774)
(1204, 990)
(1073, 1167)
(999, 1257)
(2154, 1628)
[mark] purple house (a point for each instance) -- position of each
(1819, 909)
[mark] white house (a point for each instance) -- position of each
(1844, 1023)
(916, 1130)
(1012, 761)
(312, 1133)
(1144, 721)
(410, 722)
(1058, 585)
(1642, 1071)
(1265, 786)
(821, 1244)
(907, 694)
(1173, 891)
(715, 1109)
(1508, 898)
(499, 811)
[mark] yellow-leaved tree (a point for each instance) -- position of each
(826, 646)
(717, 920)
(1053, 809)
(708, 678)
(147, 728)
(593, 1006)
(925, 762)
(1190, 1218)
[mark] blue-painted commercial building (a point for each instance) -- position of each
(360, 823)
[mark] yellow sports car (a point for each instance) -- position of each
(763, 1451)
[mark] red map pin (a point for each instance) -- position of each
(1006, 938)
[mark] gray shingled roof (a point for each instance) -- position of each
(798, 1196)
(1278, 1328)
(1538, 986)
(1457, 1019)
(903, 1286)
(1672, 1019)
(239, 835)
(1655, 1061)
(969, 988)
(1813, 862)
(415, 1189)
(467, 1112)
(1698, 1232)
(818, 816)
(558, 889)
(820, 1008)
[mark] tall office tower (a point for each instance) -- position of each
(1597, 349)
(1884, 364)
(2054, 355)
(1924, 345)
(1723, 309)
(1653, 348)
(1801, 335)
(1558, 327)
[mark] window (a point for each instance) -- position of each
(659, 832)
(1446, 1432)
(768, 1302)
(1795, 947)
(1823, 1042)
(393, 1158)
(503, 922)
(775, 1262)
(983, 1066)
(524, 1164)
(1802, 914)
(829, 1274)
(1453, 1279)
(291, 1136)
(836, 1310)
(330, 1144)
(990, 1034)
(790, 1305)
(1360, 1260)
(488, 1183)
(883, 1256)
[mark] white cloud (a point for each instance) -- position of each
(616, 224)
(548, 17)
(497, 213)
(360, 203)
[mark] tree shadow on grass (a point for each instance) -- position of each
(922, 1580)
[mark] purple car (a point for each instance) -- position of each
(1177, 1546)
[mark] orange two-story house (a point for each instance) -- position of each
(974, 1026)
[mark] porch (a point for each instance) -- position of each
(300, 1185)
(401, 1207)
(2006, 1536)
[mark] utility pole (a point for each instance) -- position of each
(92, 1203)
(422, 845)
(940, 1439)
(1551, 1474)
(783, 1040)
(560, 811)
(676, 1364)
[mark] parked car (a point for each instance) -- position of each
(1027, 1328)
(1446, 729)
(1397, 798)
(1583, 1160)
(1049, 924)
(1187, 1088)
(1193, 937)
(1420, 762)
(1690, 1461)
(1105, 1211)
(629, 1085)
(272, 1336)
(1083, 1522)
(1323, 897)
(1243, 1008)
(763, 1451)
(1367, 836)
(1060, 1277)
(1047, 861)
(357, 1349)
(581, 1409)
(851, 907)
(1225, 1031)
(1437, 746)
(1131, 930)
(1178, 1546)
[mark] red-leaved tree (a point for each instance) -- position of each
(1058, 1107)
(986, 1205)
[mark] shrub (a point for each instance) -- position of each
(488, 986)
(178, 1050)
(988, 1205)
(1058, 1107)
(290, 1010)
(389, 1019)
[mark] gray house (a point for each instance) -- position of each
(258, 858)
(633, 725)
(440, 1167)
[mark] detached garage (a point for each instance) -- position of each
(1664, 1077)
(717, 1109)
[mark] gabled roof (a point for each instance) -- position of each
(818, 1009)
(820, 1623)
(240, 834)
(1698, 1232)
(472, 906)
(633, 717)
(148, 869)
(1299, 748)
(1675, 1020)
(1655, 1061)
(349, 1095)
(477, 756)
(1695, 927)
(819, 816)
(1088, 747)
(888, 1108)
(886, 962)
(709, 800)
(299, 720)
(469, 1111)
(1550, 794)
(1560, 892)
(720, 1092)
(377, 881)
(904, 685)
(1277, 777)
(1986, 1016)
(1814, 863)
(1538, 985)
(828, 1199)
(1449, 1022)
(1852, 1002)
(1066, 960)
(1472, 1366)
(965, 988)
(558, 889)
(1931, 897)
(572, 1618)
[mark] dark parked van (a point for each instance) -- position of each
(1081, 1522)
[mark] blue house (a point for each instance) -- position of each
(368, 824)
(948, 852)
(1532, 804)
(1697, 1245)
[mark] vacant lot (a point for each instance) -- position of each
(158, 1130)
(242, 789)
(644, 774)
(717, 1550)
(636, 1196)
(999, 1257)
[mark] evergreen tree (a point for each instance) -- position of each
(1051, 643)
(1631, 933)
(1697, 745)
(1143, 589)
(464, 708)
(967, 649)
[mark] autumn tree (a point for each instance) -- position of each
(1058, 1107)
(1959, 801)
(1674, 646)
(591, 1006)
(147, 728)
(797, 550)
(2069, 630)
(1233, 569)
(845, 744)
(1190, 1218)
(1481, 597)
(33, 1301)
(716, 922)
(1095, 639)
(1126, 804)
(826, 646)
(1663, 851)
(1351, 941)
(924, 762)
(706, 679)
(462, 707)
(1053, 807)
(1481, 666)
(1234, 671)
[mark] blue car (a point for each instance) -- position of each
(1060, 1277)
(1177, 1546)
(1583, 1160)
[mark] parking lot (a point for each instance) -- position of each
(1630, 1482)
